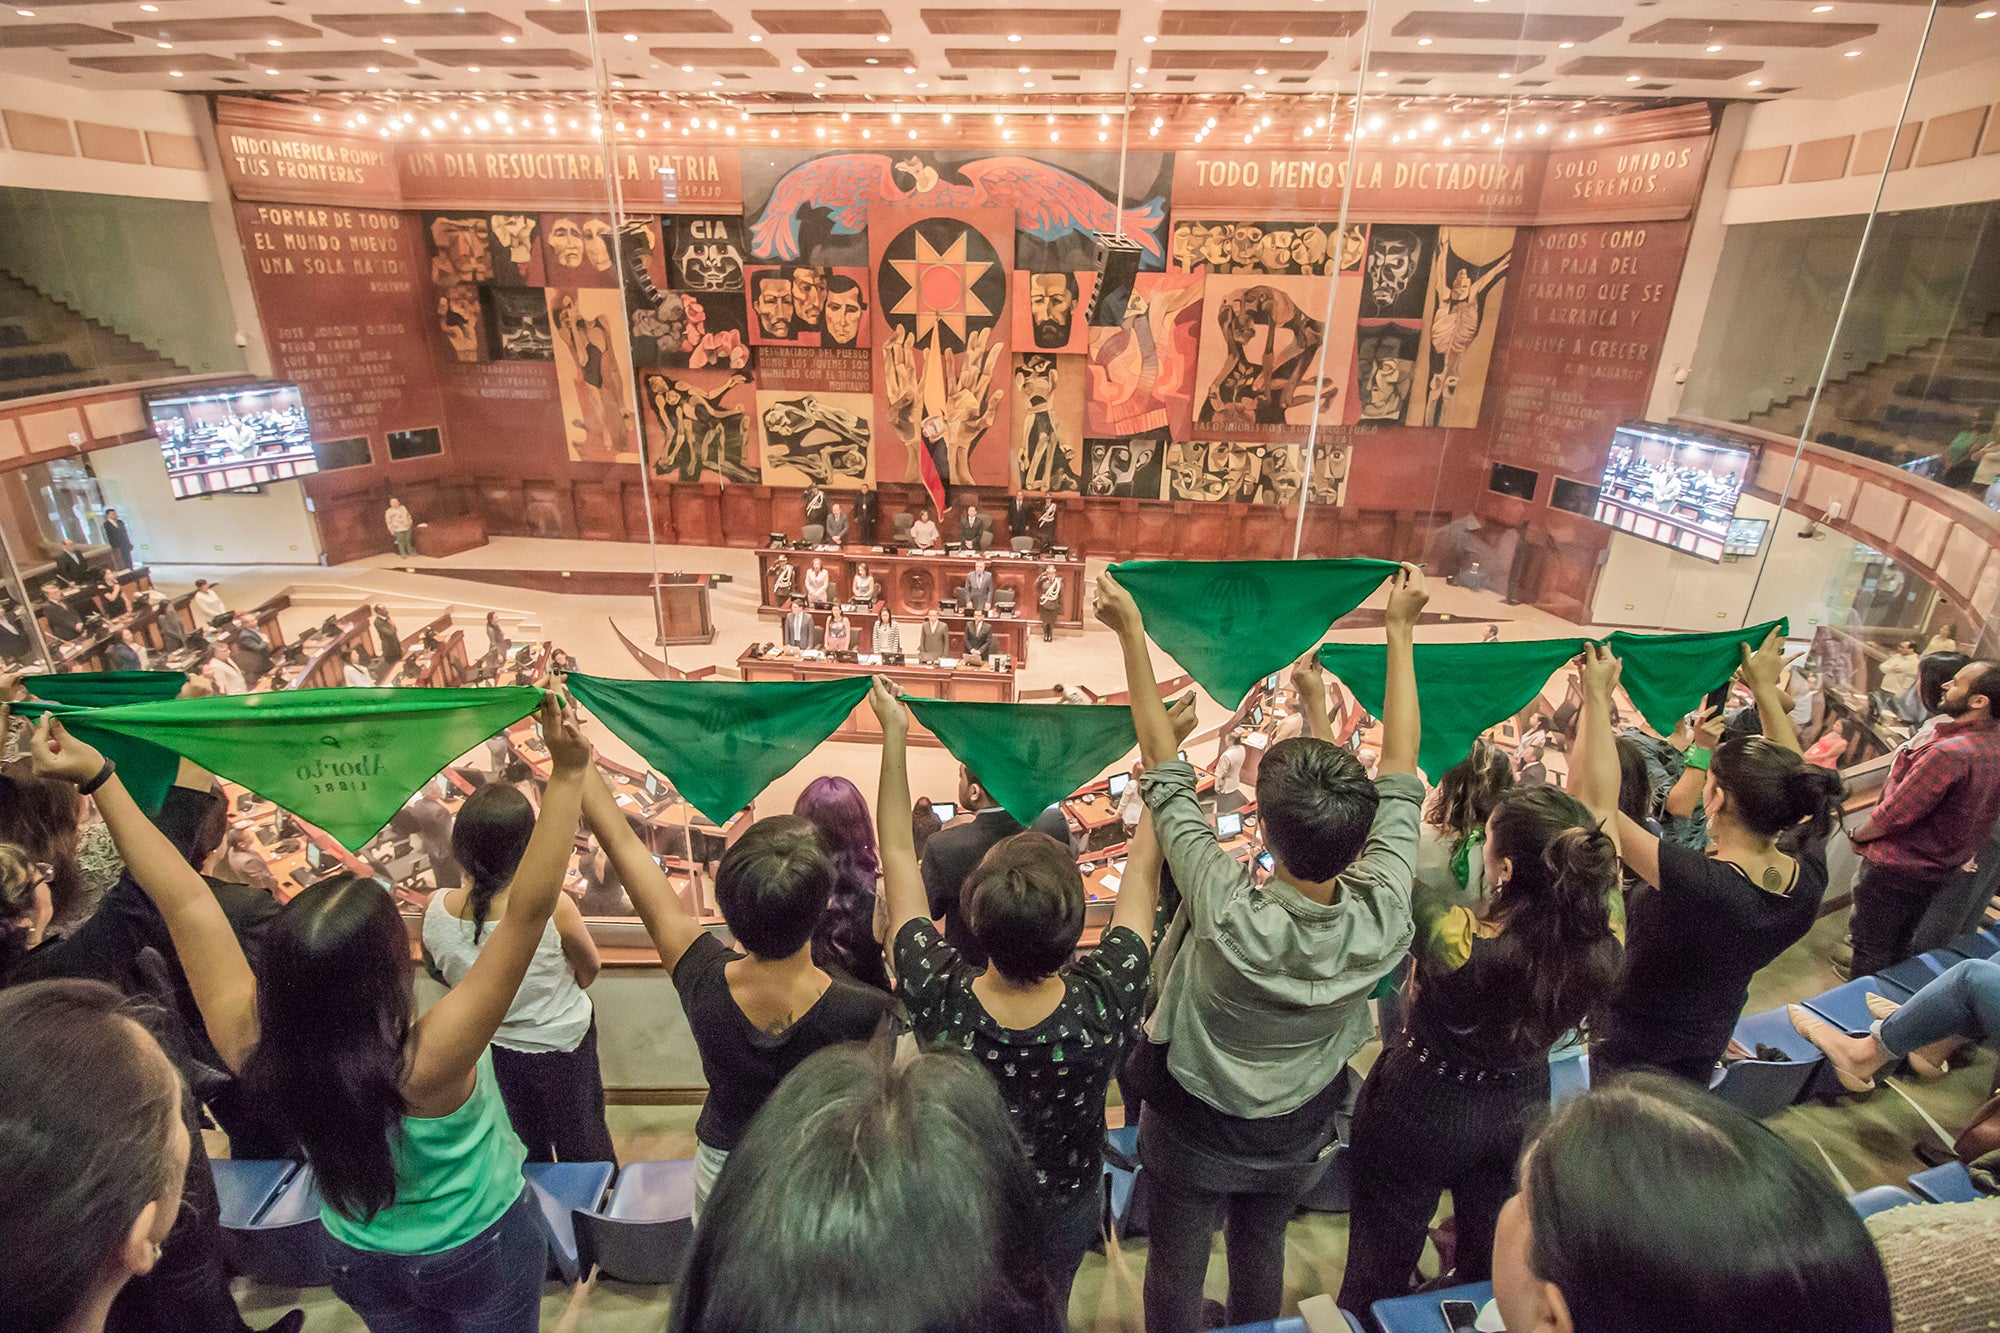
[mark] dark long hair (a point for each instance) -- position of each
(1773, 789)
(89, 1103)
(40, 815)
(1656, 1207)
(845, 936)
(1554, 912)
(17, 900)
(489, 838)
(334, 1011)
(871, 1198)
(1635, 783)
(1468, 790)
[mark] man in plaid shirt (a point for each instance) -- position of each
(1939, 804)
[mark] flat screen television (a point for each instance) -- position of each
(1673, 486)
(234, 438)
(1746, 536)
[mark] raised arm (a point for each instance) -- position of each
(1309, 683)
(902, 879)
(1402, 724)
(671, 925)
(1760, 671)
(225, 989)
(1139, 890)
(448, 1040)
(1594, 776)
(579, 950)
(1705, 733)
(1114, 606)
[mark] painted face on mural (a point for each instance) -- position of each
(1391, 264)
(597, 244)
(1277, 252)
(1215, 246)
(1037, 374)
(775, 315)
(1309, 248)
(1244, 243)
(516, 231)
(1052, 307)
(1352, 242)
(711, 266)
(1188, 240)
(464, 253)
(808, 295)
(844, 308)
(1116, 465)
(566, 242)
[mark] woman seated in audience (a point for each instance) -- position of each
(545, 1052)
(1715, 919)
(1648, 1206)
(872, 1197)
(1963, 1003)
(429, 1222)
(845, 940)
(1049, 1027)
(93, 1150)
(756, 1014)
(1497, 987)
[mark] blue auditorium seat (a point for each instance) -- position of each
(244, 1187)
(1950, 1183)
(1880, 1199)
(284, 1245)
(1765, 1087)
(1846, 1006)
(562, 1188)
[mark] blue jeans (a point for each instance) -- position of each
(490, 1284)
(1964, 1002)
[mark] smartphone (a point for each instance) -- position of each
(1264, 860)
(1717, 698)
(1460, 1316)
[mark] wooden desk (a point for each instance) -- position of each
(914, 583)
(1010, 636)
(968, 684)
(684, 599)
(449, 535)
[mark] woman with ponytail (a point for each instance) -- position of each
(1446, 1107)
(1718, 917)
(545, 1053)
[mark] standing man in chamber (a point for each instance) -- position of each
(1048, 601)
(933, 638)
(979, 589)
(784, 577)
(975, 529)
(816, 507)
(71, 567)
(798, 626)
(864, 516)
(837, 526)
(15, 645)
(979, 636)
(401, 524)
(119, 538)
(1022, 513)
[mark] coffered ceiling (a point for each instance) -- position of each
(848, 51)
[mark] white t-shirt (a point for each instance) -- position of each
(550, 1012)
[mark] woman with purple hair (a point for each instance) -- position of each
(845, 939)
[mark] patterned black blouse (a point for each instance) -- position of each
(1052, 1076)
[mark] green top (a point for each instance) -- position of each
(455, 1176)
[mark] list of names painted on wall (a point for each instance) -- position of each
(338, 290)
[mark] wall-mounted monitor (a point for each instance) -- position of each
(1576, 497)
(234, 438)
(415, 443)
(334, 455)
(1673, 486)
(1518, 482)
(1746, 536)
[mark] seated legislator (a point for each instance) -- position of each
(924, 532)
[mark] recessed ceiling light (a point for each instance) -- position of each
(1822, 9)
(270, 71)
(1260, 70)
(1013, 36)
(174, 73)
(1597, 128)
(687, 69)
(798, 69)
(1986, 13)
(507, 41)
(631, 36)
(1284, 41)
(1850, 54)
(164, 46)
(472, 69)
(881, 36)
(388, 41)
(1564, 46)
(149, 9)
(758, 37)
(1506, 74)
(909, 69)
(1381, 73)
(1022, 70)
(25, 13)
(1141, 70)
(1631, 78)
(1715, 46)
(374, 69)
(1756, 83)
(1423, 41)
(1149, 39)
(872, 61)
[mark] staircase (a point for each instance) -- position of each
(1907, 406)
(47, 346)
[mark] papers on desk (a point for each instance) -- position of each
(949, 663)
(622, 799)
(1256, 740)
(868, 659)
(1111, 881)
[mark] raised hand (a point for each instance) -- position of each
(1601, 670)
(1115, 607)
(569, 749)
(1307, 676)
(1707, 727)
(1761, 669)
(892, 713)
(62, 756)
(1181, 713)
(1407, 595)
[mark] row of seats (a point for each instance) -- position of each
(1975, 389)
(639, 1233)
(34, 365)
(1763, 1087)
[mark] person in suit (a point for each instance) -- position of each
(819, 584)
(1048, 601)
(979, 636)
(816, 507)
(252, 651)
(63, 621)
(975, 529)
(14, 641)
(952, 853)
(1528, 766)
(124, 654)
(864, 517)
(933, 638)
(888, 638)
(979, 589)
(391, 640)
(71, 567)
(1021, 513)
(837, 526)
(119, 538)
(798, 626)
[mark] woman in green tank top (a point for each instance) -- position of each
(426, 1210)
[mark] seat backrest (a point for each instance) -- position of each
(1023, 544)
(814, 533)
(1762, 1087)
(633, 1251)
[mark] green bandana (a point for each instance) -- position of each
(1229, 622)
(1029, 756)
(1462, 688)
(1461, 856)
(720, 742)
(343, 759)
(1667, 674)
(147, 770)
(106, 689)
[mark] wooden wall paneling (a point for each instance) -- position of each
(350, 526)
(600, 512)
(503, 506)
(1101, 523)
(1195, 528)
(746, 516)
(548, 509)
(1264, 534)
(632, 501)
(1153, 531)
(695, 514)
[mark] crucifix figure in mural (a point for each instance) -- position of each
(943, 290)
(1455, 326)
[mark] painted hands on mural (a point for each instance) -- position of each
(971, 395)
